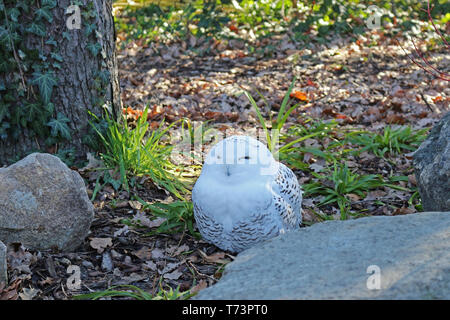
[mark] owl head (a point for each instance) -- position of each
(240, 157)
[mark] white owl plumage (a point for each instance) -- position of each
(244, 196)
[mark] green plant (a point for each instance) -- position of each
(340, 184)
(264, 18)
(133, 292)
(179, 216)
(30, 64)
(207, 17)
(172, 294)
(138, 152)
(27, 74)
(321, 129)
(273, 136)
(149, 22)
(392, 141)
(193, 137)
(67, 156)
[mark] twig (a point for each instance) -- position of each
(198, 272)
(14, 49)
(426, 102)
(432, 22)
(440, 74)
(426, 61)
(420, 65)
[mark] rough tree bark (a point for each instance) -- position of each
(76, 91)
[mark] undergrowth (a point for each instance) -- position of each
(311, 21)
(334, 182)
(136, 152)
(132, 292)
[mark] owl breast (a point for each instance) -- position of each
(235, 218)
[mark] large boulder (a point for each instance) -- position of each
(432, 167)
(43, 204)
(409, 255)
(3, 265)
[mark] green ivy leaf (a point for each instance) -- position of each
(66, 35)
(21, 54)
(59, 126)
(44, 13)
(89, 28)
(56, 56)
(6, 37)
(49, 3)
(4, 111)
(38, 29)
(104, 76)
(94, 48)
(50, 108)
(14, 13)
(46, 82)
(3, 127)
(32, 110)
(52, 42)
(23, 4)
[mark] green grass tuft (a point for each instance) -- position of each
(134, 152)
(391, 142)
(340, 184)
(136, 293)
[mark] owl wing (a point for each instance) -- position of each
(208, 227)
(260, 225)
(287, 197)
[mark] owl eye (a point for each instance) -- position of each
(247, 157)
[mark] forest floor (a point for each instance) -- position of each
(367, 83)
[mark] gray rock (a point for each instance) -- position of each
(330, 260)
(43, 204)
(3, 265)
(107, 263)
(432, 167)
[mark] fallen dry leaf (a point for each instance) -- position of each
(100, 244)
(404, 210)
(29, 293)
(174, 275)
(217, 257)
(199, 286)
(176, 250)
(145, 253)
(142, 219)
(135, 204)
(302, 96)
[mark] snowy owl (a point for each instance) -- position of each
(244, 196)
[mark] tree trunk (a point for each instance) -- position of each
(78, 49)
